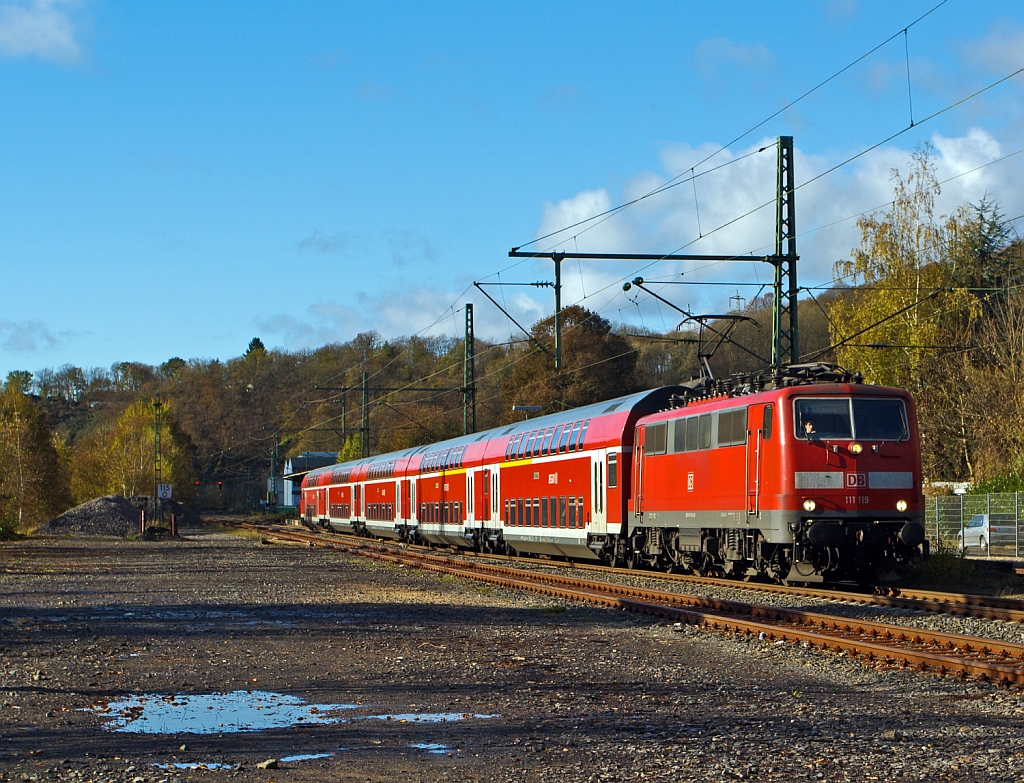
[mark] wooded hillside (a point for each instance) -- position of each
(930, 303)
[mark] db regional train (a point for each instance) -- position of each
(806, 475)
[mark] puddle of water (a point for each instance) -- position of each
(425, 717)
(194, 765)
(214, 713)
(306, 757)
(430, 747)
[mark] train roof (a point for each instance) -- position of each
(607, 418)
(726, 401)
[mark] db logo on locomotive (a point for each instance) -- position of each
(856, 479)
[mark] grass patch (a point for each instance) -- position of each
(554, 610)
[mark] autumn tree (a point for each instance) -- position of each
(901, 274)
(931, 310)
(33, 478)
(118, 458)
(597, 364)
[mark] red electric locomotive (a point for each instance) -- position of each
(804, 476)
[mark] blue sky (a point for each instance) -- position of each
(176, 178)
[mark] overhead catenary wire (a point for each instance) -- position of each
(844, 163)
(733, 142)
(744, 134)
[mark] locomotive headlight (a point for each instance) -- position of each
(810, 505)
(901, 505)
(856, 448)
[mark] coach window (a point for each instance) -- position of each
(575, 435)
(692, 428)
(613, 471)
(536, 512)
(679, 435)
(561, 511)
(655, 440)
(547, 442)
(705, 431)
(524, 447)
(583, 435)
(766, 428)
(537, 444)
(563, 442)
(552, 448)
(544, 512)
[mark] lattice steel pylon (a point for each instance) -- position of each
(785, 344)
(469, 375)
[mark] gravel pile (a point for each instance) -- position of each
(112, 515)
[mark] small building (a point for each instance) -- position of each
(289, 484)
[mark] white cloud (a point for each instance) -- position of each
(408, 247)
(27, 336)
(38, 29)
(374, 91)
(319, 242)
(662, 224)
(567, 97)
(668, 222)
(713, 56)
(840, 11)
(403, 311)
(1001, 51)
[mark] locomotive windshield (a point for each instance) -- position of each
(837, 418)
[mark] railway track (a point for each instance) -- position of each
(962, 605)
(891, 645)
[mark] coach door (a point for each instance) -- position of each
(357, 504)
(638, 472)
(755, 421)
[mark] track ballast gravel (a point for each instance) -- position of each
(1000, 630)
(582, 694)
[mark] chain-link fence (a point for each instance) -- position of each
(976, 524)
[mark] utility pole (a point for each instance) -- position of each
(557, 258)
(157, 460)
(272, 482)
(785, 348)
(364, 428)
(469, 376)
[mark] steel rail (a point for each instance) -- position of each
(926, 651)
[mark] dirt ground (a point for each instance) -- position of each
(571, 693)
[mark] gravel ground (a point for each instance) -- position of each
(577, 693)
